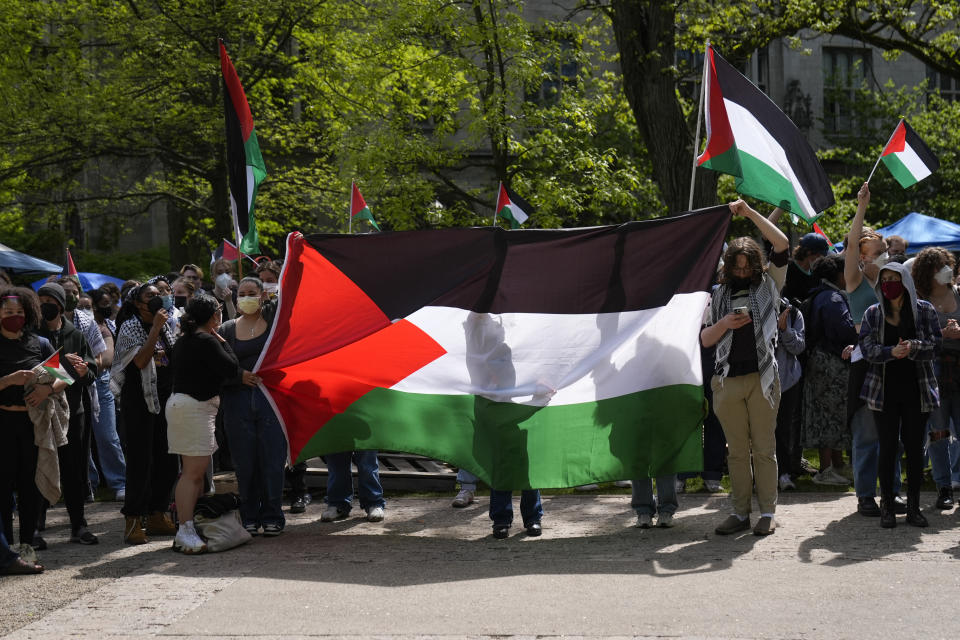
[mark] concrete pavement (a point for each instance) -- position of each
(430, 571)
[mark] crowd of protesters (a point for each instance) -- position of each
(855, 355)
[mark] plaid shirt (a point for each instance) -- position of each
(923, 351)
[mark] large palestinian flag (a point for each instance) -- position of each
(749, 137)
(908, 157)
(533, 358)
(244, 162)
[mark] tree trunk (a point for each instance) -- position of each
(645, 37)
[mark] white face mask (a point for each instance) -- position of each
(881, 260)
(248, 304)
(945, 275)
(271, 288)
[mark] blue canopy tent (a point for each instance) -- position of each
(922, 231)
(14, 262)
(88, 281)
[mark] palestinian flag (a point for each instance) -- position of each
(244, 162)
(533, 358)
(908, 157)
(820, 232)
(359, 209)
(749, 137)
(512, 207)
(52, 366)
(226, 250)
(69, 269)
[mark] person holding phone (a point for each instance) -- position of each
(746, 387)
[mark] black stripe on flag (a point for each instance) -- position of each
(638, 265)
(737, 88)
(916, 143)
(236, 164)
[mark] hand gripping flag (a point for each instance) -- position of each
(52, 366)
(749, 137)
(908, 157)
(244, 162)
(533, 358)
(512, 207)
(359, 209)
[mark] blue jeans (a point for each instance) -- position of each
(109, 451)
(340, 480)
(259, 451)
(501, 507)
(945, 453)
(643, 500)
(468, 481)
(866, 454)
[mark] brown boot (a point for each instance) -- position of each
(160, 524)
(133, 532)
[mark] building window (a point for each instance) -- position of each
(941, 83)
(845, 73)
(559, 70)
(760, 69)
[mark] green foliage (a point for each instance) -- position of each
(135, 265)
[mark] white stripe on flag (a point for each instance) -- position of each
(751, 137)
(913, 163)
(250, 185)
(557, 359)
(518, 214)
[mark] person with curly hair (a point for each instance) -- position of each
(933, 271)
(746, 387)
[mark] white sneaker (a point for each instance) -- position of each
(644, 520)
(786, 483)
(120, 496)
(831, 477)
(187, 540)
(375, 514)
(713, 486)
(332, 513)
(587, 487)
(665, 520)
(623, 484)
(464, 498)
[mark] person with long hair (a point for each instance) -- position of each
(900, 338)
(257, 443)
(202, 362)
(831, 339)
(746, 388)
(933, 272)
(21, 350)
(143, 377)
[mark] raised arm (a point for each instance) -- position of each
(774, 236)
(851, 248)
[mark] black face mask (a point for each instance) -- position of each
(180, 301)
(49, 311)
(739, 284)
(155, 304)
(105, 312)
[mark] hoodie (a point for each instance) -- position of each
(924, 348)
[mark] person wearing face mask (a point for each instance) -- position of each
(79, 363)
(800, 278)
(82, 321)
(257, 444)
(105, 438)
(933, 274)
(183, 291)
(269, 273)
(202, 362)
(21, 349)
(900, 338)
(746, 387)
(224, 286)
(143, 377)
(864, 254)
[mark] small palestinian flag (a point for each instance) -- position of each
(512, 207)
(908, 157)
(69, 269)
(359, 209)
(819, 232)
(749, 137)
(244, 162)
(52, 366)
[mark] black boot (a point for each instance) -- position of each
(945, 498)
(914, 517)
(888, 519)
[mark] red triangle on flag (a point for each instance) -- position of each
(357, 203)
(53, 361)
(69, 269)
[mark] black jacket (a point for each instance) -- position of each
(69, 340)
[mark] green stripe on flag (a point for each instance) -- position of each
(522, 447)
(899, 170)
(763, 182)
(726, 162)
(250, 242)
(366, 214)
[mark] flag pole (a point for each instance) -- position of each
(696, 137)
(496, 202)
(353, 184)
(877, 163)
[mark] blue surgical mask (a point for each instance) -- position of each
(167, 302)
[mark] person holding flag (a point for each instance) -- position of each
(22, 350)
(80, 365)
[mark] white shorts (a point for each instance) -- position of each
(191, 425)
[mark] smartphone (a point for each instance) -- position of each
(740, 310)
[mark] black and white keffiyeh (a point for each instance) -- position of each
(130, 338)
